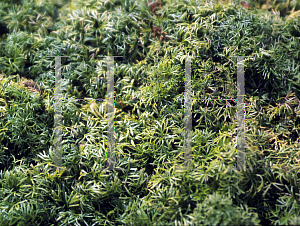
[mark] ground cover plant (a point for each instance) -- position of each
(154, 38)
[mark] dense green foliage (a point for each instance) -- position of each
(154, 40)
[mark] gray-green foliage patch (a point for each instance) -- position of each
(218, 210)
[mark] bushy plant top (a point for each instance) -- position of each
(154, 38)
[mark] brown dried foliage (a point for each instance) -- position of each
(245, 5)
(157, 33)
(154, 5)
(32, 86)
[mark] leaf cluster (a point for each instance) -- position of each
(154, 42)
